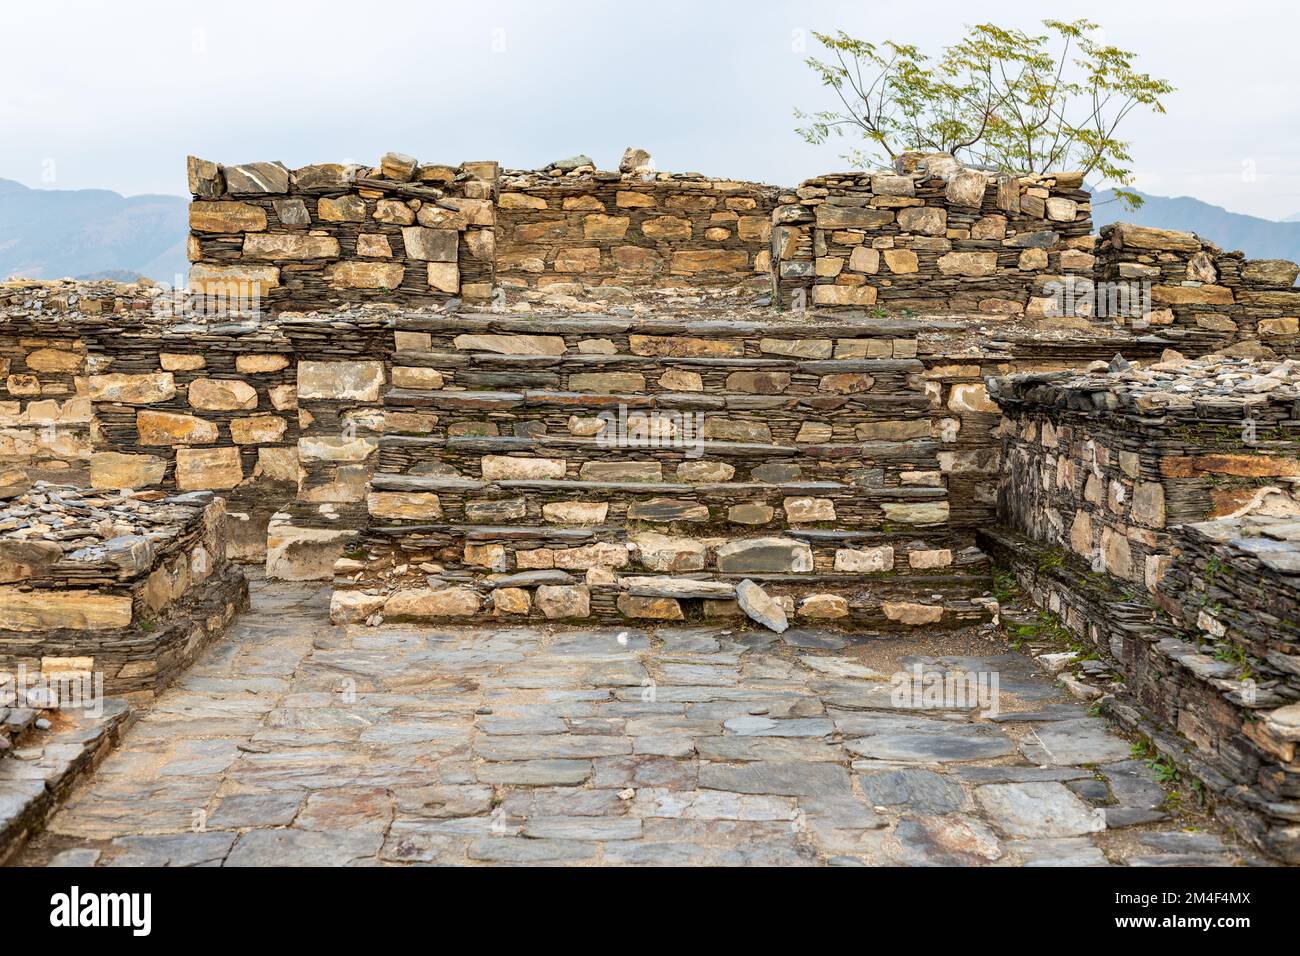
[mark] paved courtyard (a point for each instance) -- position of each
(293, 741)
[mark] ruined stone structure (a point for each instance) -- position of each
(574, 395)
(1154, 512)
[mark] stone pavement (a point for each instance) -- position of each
(292, 741)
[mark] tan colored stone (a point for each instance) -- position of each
(691, 261)
(678, 380)
(575, 512)
(927, 560)
(365, 275)
(276, 463)
(660, 552)
(910, 613)
(289, 246)
(221, 394)
(257, 429)
(509, 467)
(73, 609)
(823, 607)
(404, 505)
(968, 263)
(923, 220)
(563, 601)
(127, 389)
(201, 469)
(520, 201)
(260, 364)
(599, 226)
(419, 603)
(703, 471)
(844, 295)
(804, 509)
(865, 560)
(511, 344)
(417, 377)
(53, 360)
(374, 245)
(443, 277)
(115, 470)
(971, 397)
(846, 383)
(865, 259)
(226, 217)
(651, 608)
(511, 601)
(283, 397)
(341, 209)
(176, 362)
(673, 346)
(901, 261)
(167, 428)
(351, 381)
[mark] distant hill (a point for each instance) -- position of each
(53, 233)
(1257, 238)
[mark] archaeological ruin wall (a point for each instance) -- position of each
(1154, 513)
(329, 234)
(582, 226)
(933, 235)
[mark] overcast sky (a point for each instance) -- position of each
(115, 95)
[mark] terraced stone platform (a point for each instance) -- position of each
(620, 468)
(295, 742)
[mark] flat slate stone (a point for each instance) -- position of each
(305, 847)
(951, 840)
(782, 778)
(922, 791)
(1038, 810)
(1061, 851)
(1087, 740)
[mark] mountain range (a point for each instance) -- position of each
(1258, 238)
(90, 233)
(97, 233)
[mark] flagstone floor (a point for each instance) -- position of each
(293, 741)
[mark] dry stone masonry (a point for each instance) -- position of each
(933, 234)
(1154, 511)
(569, 468)
(127, 586)
(329, 234)
(520, 397)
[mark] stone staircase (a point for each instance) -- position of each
(625, 469)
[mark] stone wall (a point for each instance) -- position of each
(586, 227)
(327, 235)
(130, 587)
(1165, 279)
(821, 472)
(1153, 511)
(933, 235)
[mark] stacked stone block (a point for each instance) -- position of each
(329, 234)
(129, 587)
(1166, 279)
(632, 230)
(934, 235)
(342, 372)
(1153, 511)
(501, 491)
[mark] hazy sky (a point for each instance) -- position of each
(116, 94)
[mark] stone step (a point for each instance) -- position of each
(447, 548)
(702, 508)
(929, 601)
(653, 374)
(882, 463)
